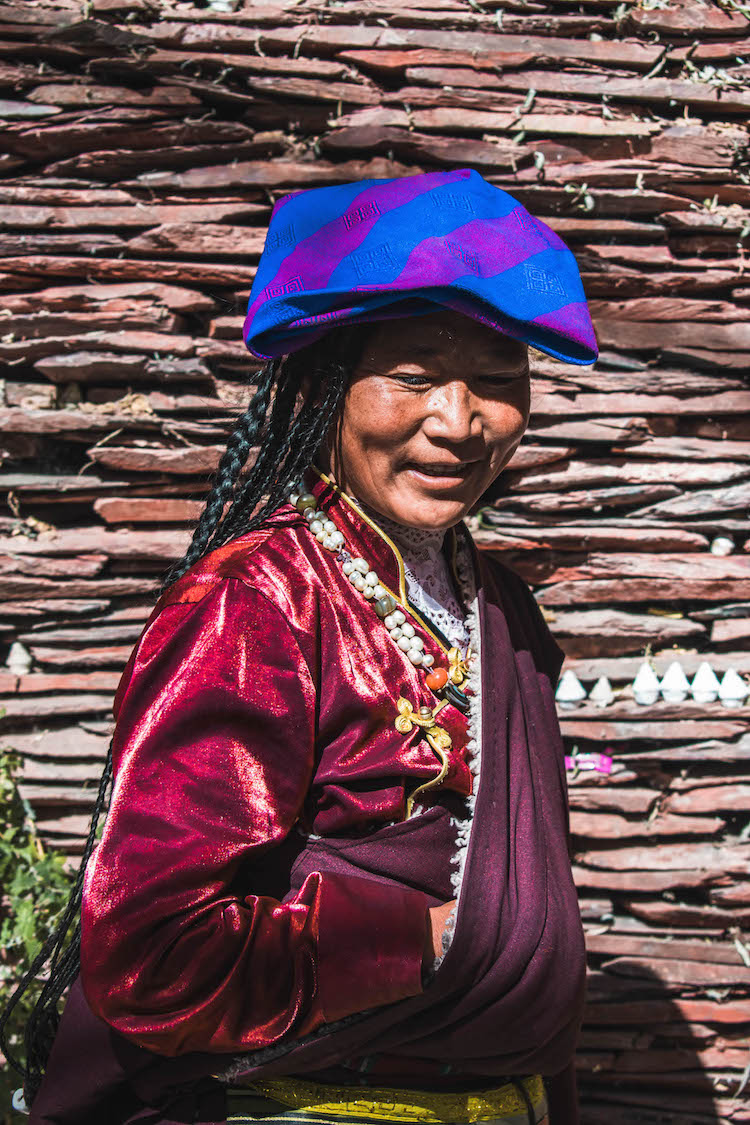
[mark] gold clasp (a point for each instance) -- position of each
(424, 717)
(437, 737)
(458, 669)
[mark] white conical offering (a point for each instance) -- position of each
(674, 684)
(601, 693)
(19, 659)
(570, 691)
(705, 686)
(733, 690)
(722, 545)
(646, 685)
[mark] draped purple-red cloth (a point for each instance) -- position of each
(257, 903)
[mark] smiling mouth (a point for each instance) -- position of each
(456, 469)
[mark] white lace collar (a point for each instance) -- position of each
(428, 582)
(425, 541)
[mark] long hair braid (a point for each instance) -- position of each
(230, 466)
(295, 428)
(293, 438)
(295, 404)
(63, 961)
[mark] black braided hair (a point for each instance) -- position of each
(295, 404)
(63, 967)
(288, 437)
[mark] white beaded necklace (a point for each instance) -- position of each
(362, 578)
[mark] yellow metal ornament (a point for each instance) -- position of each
(436, 736)
(458, 668)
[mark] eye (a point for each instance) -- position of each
(411, 380)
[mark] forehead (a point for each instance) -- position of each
(444, 334)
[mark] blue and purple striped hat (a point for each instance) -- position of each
(386, 248)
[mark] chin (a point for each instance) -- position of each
(430, 513)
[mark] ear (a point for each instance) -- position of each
(329, 454)
(306, 384)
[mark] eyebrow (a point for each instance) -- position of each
(430, 349)
(423, 349)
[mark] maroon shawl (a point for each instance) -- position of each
(508, 996)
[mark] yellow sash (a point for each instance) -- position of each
(387, 1104)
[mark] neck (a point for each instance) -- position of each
(403, 535)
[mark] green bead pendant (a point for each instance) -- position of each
(386, 605)
(305, 502)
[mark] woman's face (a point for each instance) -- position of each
(433, 413)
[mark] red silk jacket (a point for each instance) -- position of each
(259, 707)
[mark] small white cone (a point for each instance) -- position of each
(570, 691)
(705, 685)
(601, 693)
(646, 685)
(674, 684)
(722, 545)
(19, 659)
(733, 690)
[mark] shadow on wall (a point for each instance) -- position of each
(644, 1055)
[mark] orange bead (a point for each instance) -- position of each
(437, 679)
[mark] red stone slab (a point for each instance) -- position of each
(87, 565)
(113, 656)
(603, 731)
(623, 591)
(392, 63)
(726, 859)
(415, 146)
(83, 682)
(624, 945)
(737, 895)
(186, 460)
(275, 174)
(131, 270)
(38, 708)
(110, 299)
(647, 882)
(622, 799)
(734, 1011)
(332, 40)
(679, 914)
(609, 826)
(199, 239)
(79, 94)
(21, 587)
(121, 510)
(728, 798)
(688, 17)
(121, 544)
(138, 216)
(594, 538)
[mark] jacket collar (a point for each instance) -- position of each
(366, 539)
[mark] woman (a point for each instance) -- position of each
(336, 851)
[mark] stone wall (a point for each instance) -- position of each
(144, 144)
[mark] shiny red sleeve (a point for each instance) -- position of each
(214, 756)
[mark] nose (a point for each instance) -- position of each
(452, 413)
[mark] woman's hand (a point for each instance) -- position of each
(437, 916)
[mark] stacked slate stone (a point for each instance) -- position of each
(142, 148)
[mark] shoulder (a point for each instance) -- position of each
(237, 603)
(271, 561)
(265, 572)
(513, 587)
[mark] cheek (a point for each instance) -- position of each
(374, 421)
(508, 419)
(522, 401)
